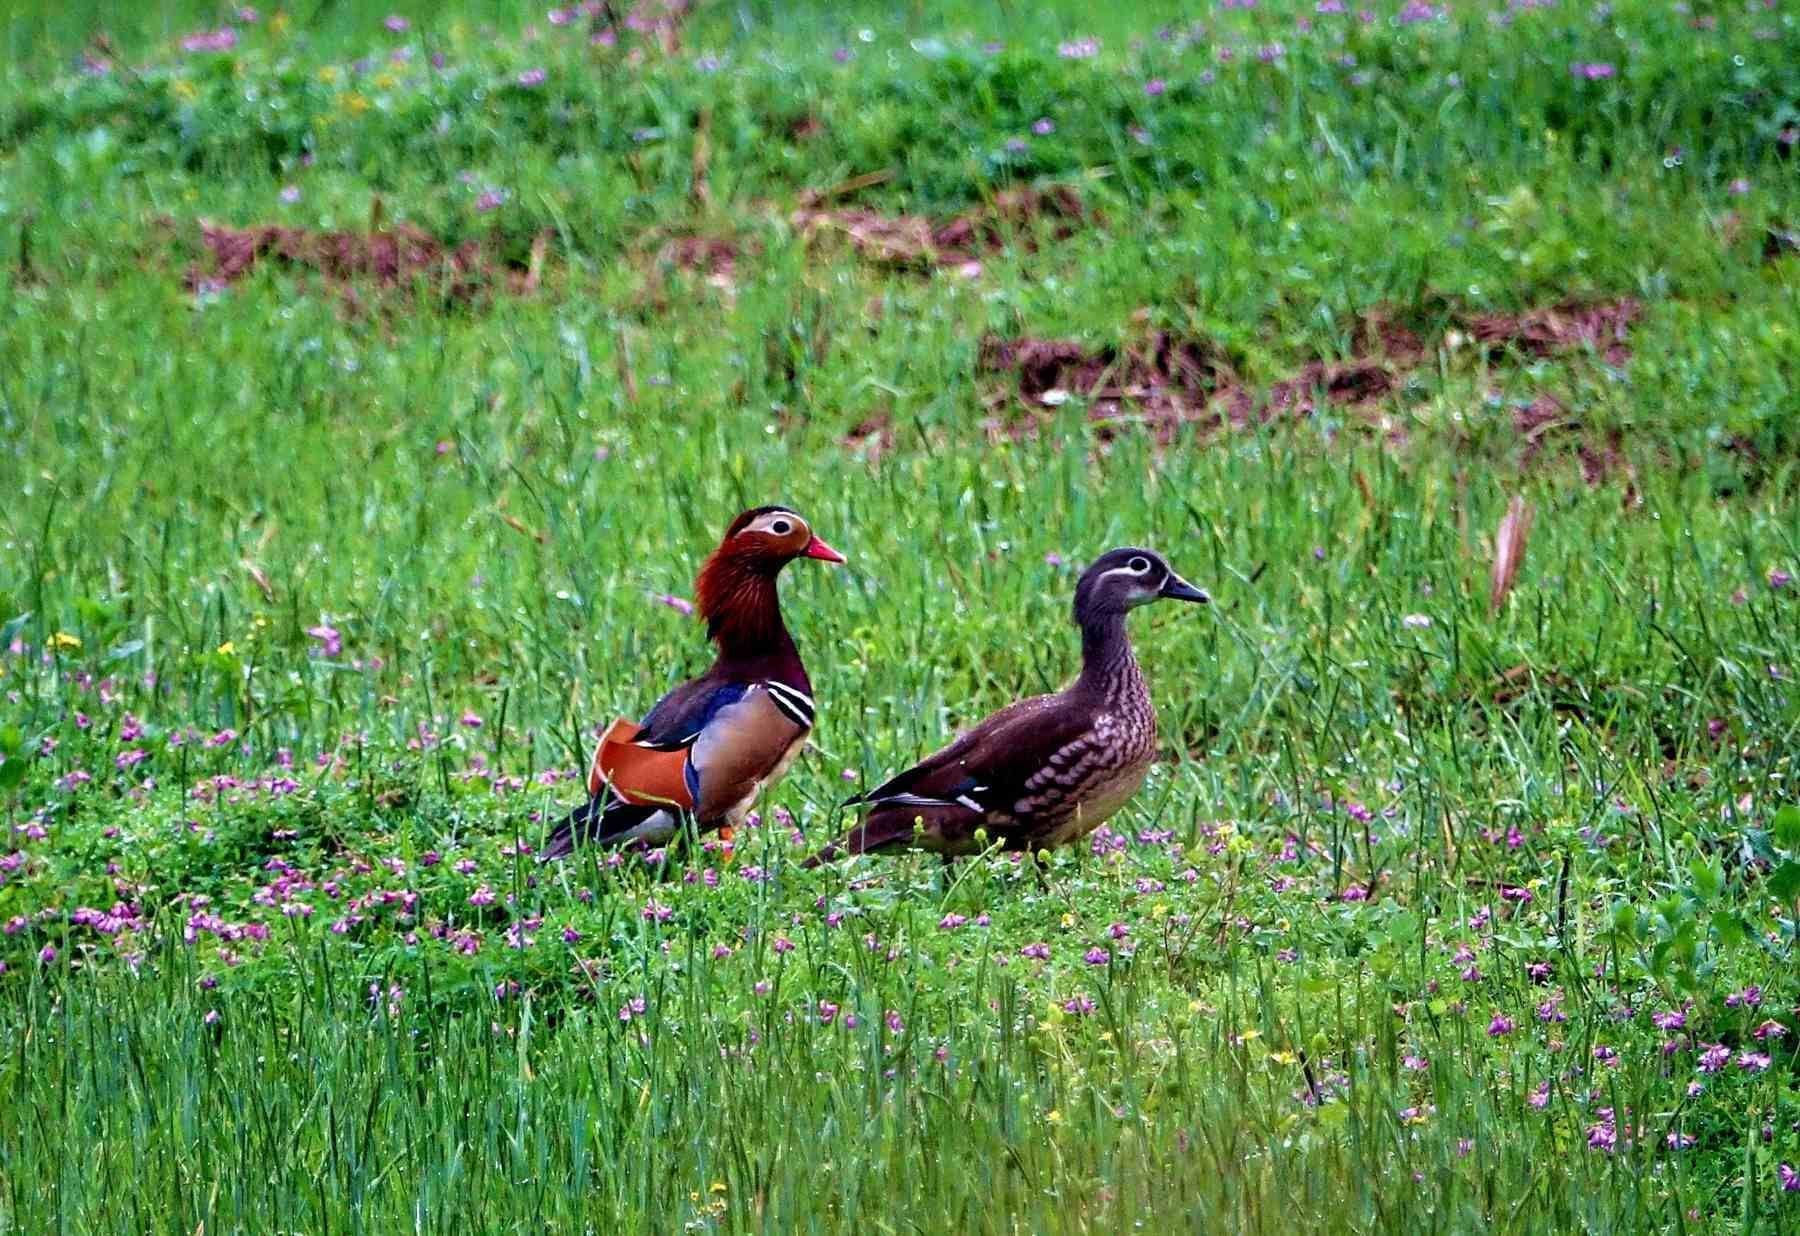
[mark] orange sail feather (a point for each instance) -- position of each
(639, 775)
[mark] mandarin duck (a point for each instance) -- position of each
(709, 746)
(1045, 771)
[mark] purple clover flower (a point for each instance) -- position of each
(221, 40)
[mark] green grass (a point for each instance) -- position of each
(277, 955)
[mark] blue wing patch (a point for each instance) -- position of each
(679, 717)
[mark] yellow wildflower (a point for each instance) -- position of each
(355, 104)
(328, 74)
(62, 641)
(278, 24)
(1054, 1116)
(184, 90)
(386, 81)
(227, 648)
(718, 1186)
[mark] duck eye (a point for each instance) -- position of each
(1140, 565)
(781, 527)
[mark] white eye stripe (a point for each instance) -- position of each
(1140, 565)
(776, 523)
(1124, 570)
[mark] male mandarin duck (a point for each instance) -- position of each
(1045, 771)
(709, 746)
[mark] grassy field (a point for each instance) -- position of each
(372, 382)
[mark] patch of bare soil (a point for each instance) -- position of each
(1379, 334)
(805, 127)
(1602, 325)
(713, 258)
(1350, 384)
(915, 242)
(1167, 382)
(872, 437)
(1164, 381)
(1545, 426)
(1535, 419)
(388, 257)
(665, 259)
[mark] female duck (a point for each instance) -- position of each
(1045, 771)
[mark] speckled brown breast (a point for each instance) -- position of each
(1088, 780)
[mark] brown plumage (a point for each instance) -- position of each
(1045, 771)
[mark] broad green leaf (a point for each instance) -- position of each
(1709, 877)
(10, 739)
(1729, 928)
(1403, 926)
(11, 773)
(1786, 827)
(1686, 942)
(1784, 881)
